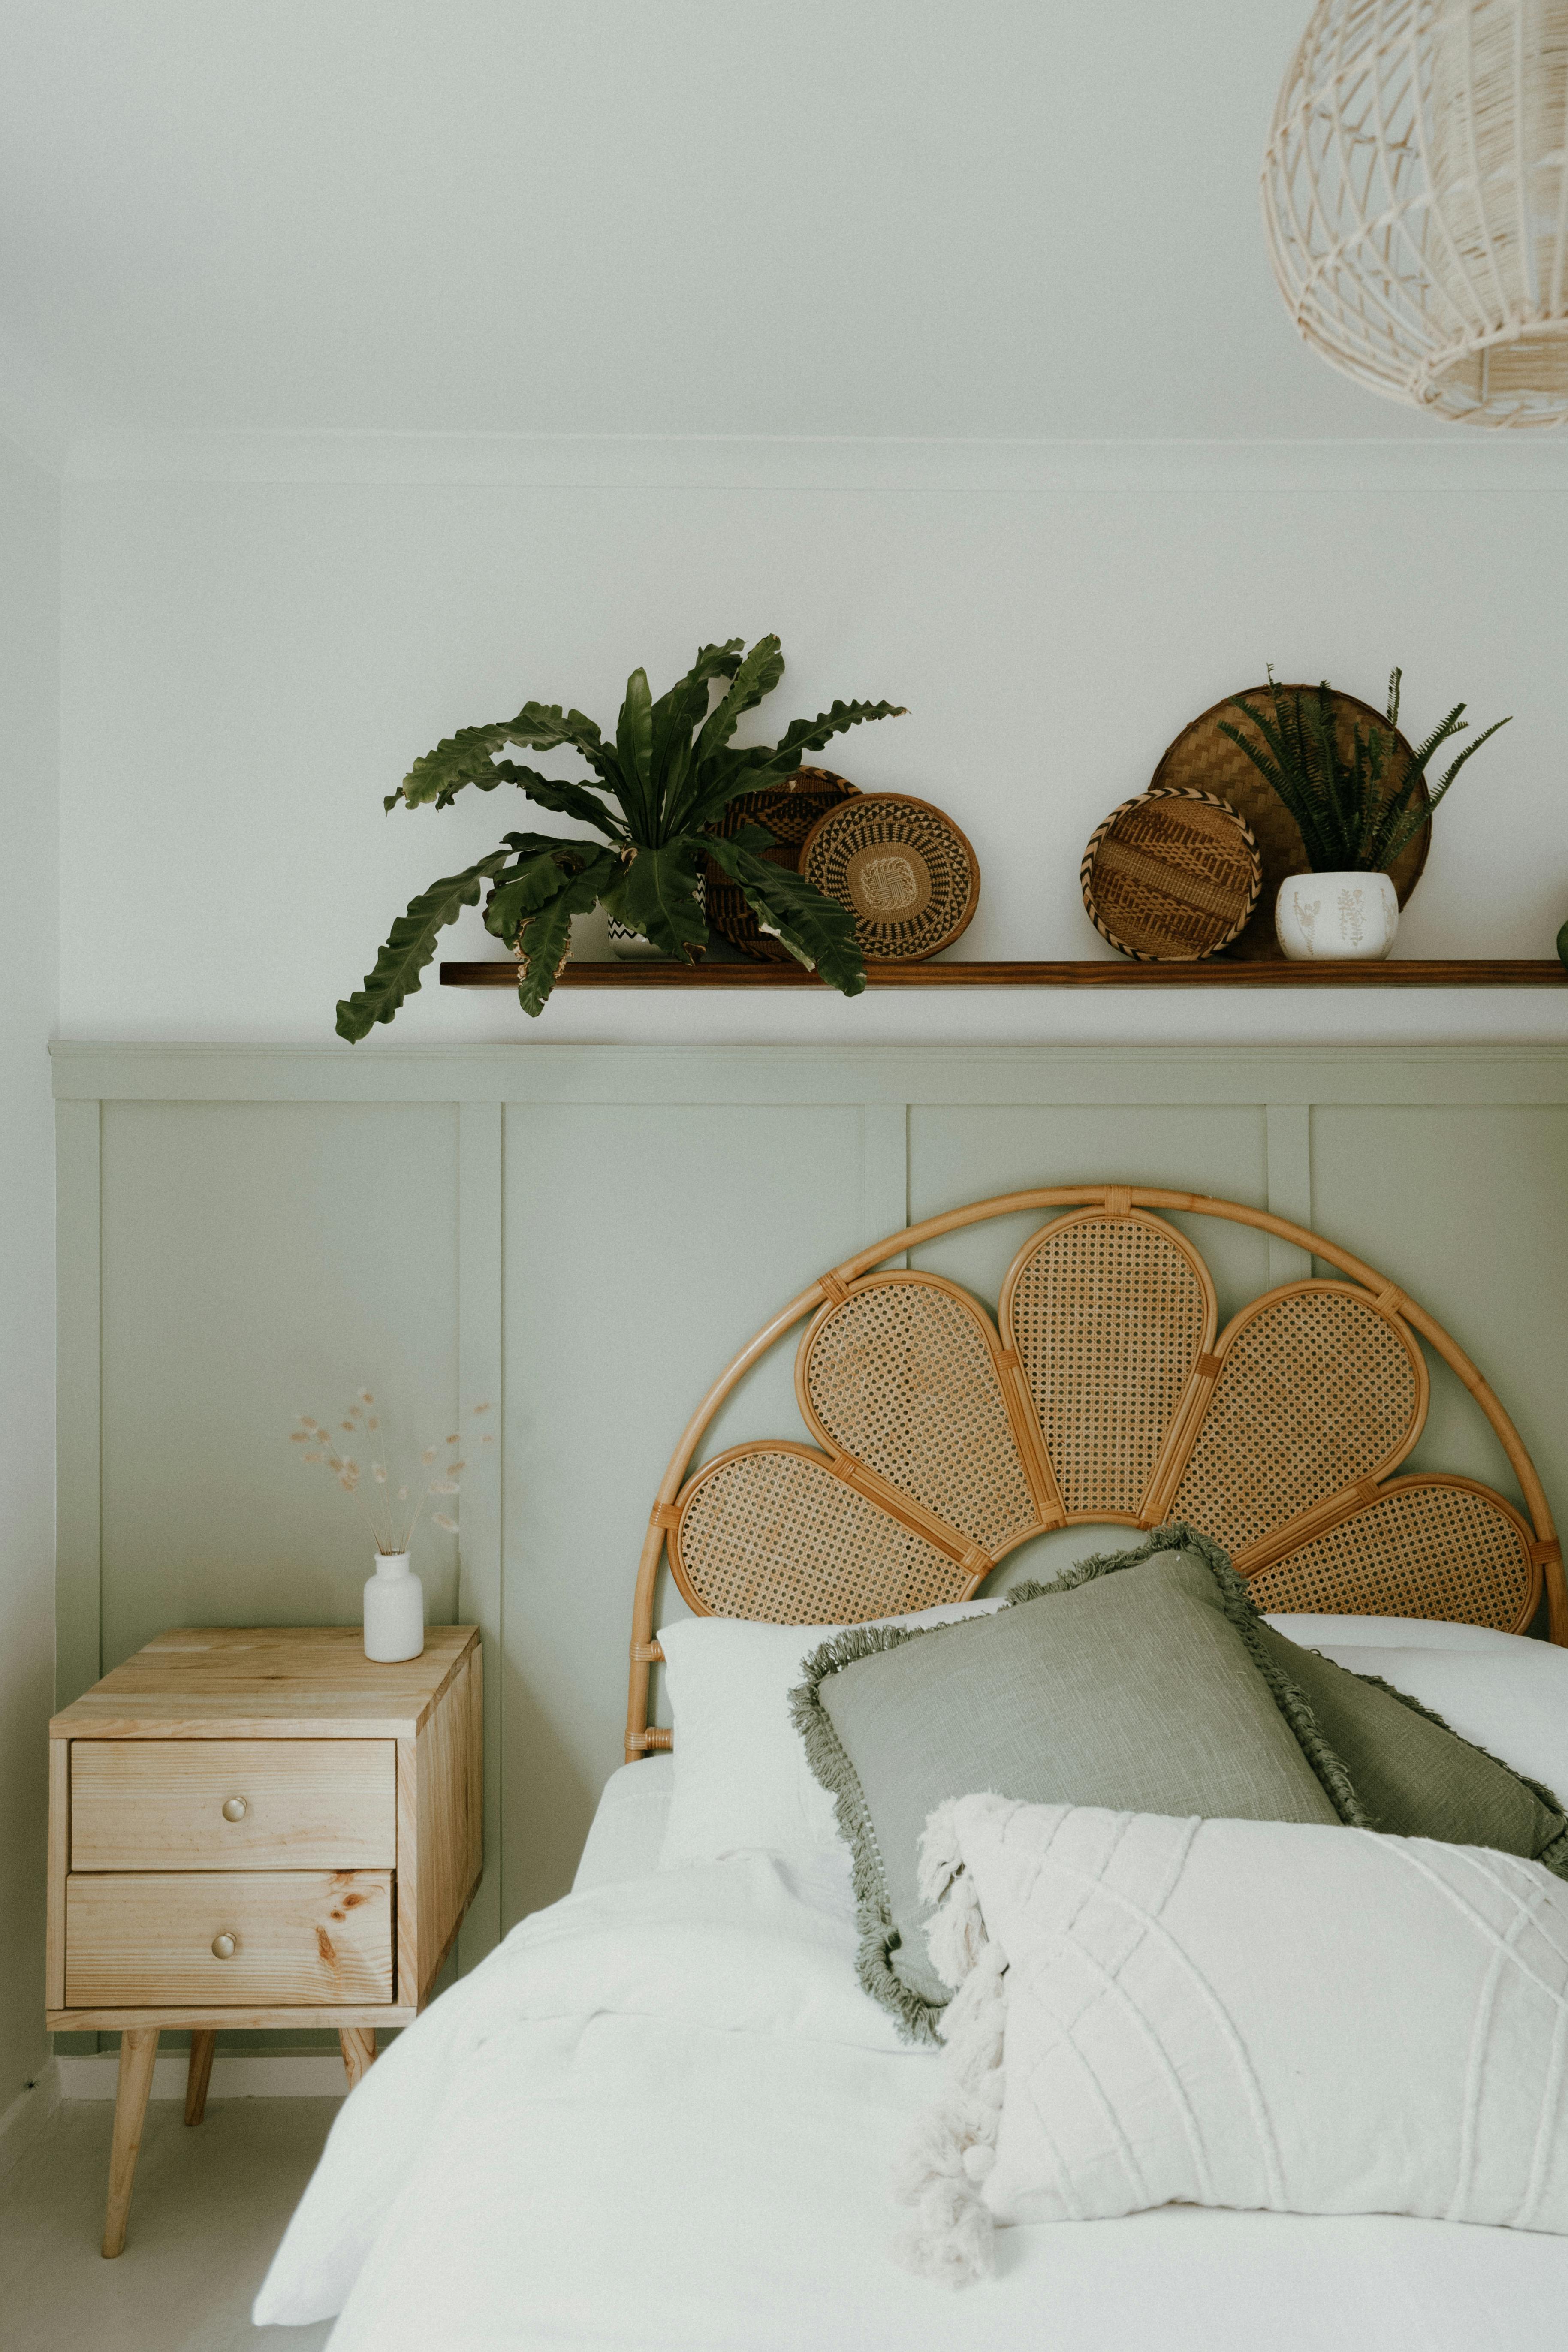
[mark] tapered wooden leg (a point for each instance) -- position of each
(203, 2045)
(138, 2050)
(358, 2050)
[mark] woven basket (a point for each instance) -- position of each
(789, 811)
(1171, 877)
(1204, 760)
(902, 868)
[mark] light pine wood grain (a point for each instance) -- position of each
(308, 1937)
(357, 2043)
(266, 1683)
(58, 1864)
(204, 2042)
(190, 2016)
(444, 1755)
(407, 1871)
(159, 1804)
(138, 2053)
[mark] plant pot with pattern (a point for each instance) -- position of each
(1356, 808)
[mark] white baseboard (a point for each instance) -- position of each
(236, 2074)
(28, 2114)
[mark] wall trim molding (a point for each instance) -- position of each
(22, 2123)
(1423, 464)
(87, 1073)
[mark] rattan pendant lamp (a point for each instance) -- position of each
(1415, 197)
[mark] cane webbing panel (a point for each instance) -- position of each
(1421, 1550)
(1317, 1389)
(902, 1377)
(1109, 1316)
(770, 1532)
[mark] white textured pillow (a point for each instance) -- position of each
(1260, 2014)
(741, 1775)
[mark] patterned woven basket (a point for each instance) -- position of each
(789, 811)
(903, 869)
(1171, 877)
(1204, 760)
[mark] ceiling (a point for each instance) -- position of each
(886, 217)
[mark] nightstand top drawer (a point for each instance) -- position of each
(239, 1939)
(233, 1804)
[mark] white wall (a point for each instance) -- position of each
(29, 620)
(260, 634)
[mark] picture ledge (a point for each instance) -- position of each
(1466, 971)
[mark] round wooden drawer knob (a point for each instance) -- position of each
(234, 1809)
(224, 1947)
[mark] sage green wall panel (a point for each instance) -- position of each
(963, 1152)
(260, 1261)
(645, 1244)
(1466, 1207)
(587, 1234)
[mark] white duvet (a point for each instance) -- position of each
(663, 2115)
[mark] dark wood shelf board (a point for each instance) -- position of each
(1543, 972)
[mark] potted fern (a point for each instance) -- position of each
(656, 788)
(1355, 808)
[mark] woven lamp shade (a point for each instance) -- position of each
(1416, 201)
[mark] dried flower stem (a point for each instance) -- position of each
(391, 1522)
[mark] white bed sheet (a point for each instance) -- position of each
(627, 1828)
(663, 2116)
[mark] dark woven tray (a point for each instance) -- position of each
(1202, 759)
(789, 811)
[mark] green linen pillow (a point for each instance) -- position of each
(1416, 1777)
(1136, 1682)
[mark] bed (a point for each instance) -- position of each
(663, 2113)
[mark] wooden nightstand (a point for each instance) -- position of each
(257, 1829)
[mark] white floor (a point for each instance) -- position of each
(209, 2208)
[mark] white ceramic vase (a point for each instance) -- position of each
(1336, 916)
(394, 1610)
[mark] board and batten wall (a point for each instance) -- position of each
(29, 714)
(580, 1236)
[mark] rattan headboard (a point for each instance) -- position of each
(944, 1439)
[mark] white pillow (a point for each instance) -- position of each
(741, 1775)
(1272, 2015)
(1312, 1630)
(1507, 1693)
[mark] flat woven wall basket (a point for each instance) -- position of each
(1171, 877)
(904, 870)
(789, 811)
(1202, 759)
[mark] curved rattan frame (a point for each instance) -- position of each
(1341, 1508)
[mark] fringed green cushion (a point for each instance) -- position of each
(1139, 1682)
(1416, 1776)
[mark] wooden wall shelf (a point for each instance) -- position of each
(1543, 972)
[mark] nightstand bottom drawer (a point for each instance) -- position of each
(232, 1939)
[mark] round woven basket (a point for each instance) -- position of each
(1171, 877)
(1202, 759)
(902, 868)
(789, 811)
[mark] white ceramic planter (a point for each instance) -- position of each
(394, 1610)
(1336, 916)
(633, 944)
